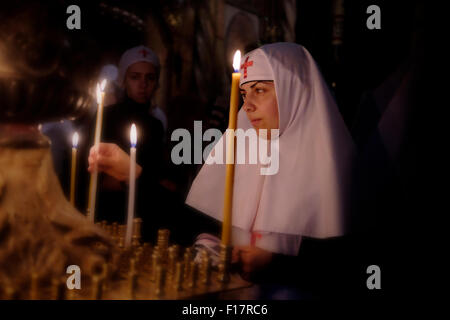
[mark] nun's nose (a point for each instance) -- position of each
(143, 83)
(248, 105)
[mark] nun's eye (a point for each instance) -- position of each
(243, 96)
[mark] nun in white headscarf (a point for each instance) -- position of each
(308, 195)
(141, 54)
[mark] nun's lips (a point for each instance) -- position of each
(255, 121)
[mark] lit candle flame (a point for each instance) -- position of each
(133, 135)
(100, 89)
(236, 60)
(75, 140)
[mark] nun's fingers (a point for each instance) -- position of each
(104, 168)
(106, 161)
(92, 158)
(103, 150)
(92, 163)
(106, 149)
(99, 168)
(98, 161)
(254, 258)
(113, 161)
(247, 265)
(117, 165)
(92, 151)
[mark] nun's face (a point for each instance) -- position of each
(260, 104)
(141, 81)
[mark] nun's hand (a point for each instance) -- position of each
(112, 160)
(252, 260)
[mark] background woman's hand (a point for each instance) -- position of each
(112, 160)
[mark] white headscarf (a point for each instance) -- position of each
(307, 197)
(133, 55)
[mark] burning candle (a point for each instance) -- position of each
(73, 168)
(132, 181)
(229, 178)
(98, 130)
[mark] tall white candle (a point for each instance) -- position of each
(131, 192)
(98, 130)
(73, 170)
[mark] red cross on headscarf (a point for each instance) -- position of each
(144, 53)
(245, 65)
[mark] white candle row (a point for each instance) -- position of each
(94, 175)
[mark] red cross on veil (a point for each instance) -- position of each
(245, 65)
(144, 53)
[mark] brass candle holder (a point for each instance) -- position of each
(224, 263)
